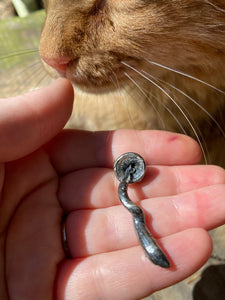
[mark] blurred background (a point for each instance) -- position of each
(20, 66)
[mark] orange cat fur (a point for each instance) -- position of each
(123, 57)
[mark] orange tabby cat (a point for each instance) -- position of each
(143, 64)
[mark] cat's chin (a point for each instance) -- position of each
(91, 85)
(82, 84)
(89, 88)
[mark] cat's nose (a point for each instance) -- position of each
(60, 64)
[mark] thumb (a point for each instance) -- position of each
(29, 121)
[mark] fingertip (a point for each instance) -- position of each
(32, 119)
(182, 148)
(195, 245)
(190, 151)
(59, 92)
(157, 146)
(63, 86)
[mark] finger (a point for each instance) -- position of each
(30, 120)
(109, 229)
(128, 274)
(158, 181)
(33, 245)
(103, 148)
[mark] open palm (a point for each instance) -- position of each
(70, 179)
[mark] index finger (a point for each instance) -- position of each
(72, 149)
(31, 120)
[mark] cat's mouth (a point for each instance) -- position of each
(88, 76)
(91, 73)
(92, 79)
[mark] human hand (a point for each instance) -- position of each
(72, 175)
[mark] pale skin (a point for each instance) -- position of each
(72, 174)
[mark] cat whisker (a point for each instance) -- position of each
(35, 68)
(186, 75)
(195, 125)
(166, 108)
(191, 99)
(174, 102)
(138, 103)
(215, 6)
(18, 53)
(41, 79)
(117, 88)
(34, 64)
(146, 97)
(21, 65)
(124, 99)
(115, 82)
(18, 82)
(32, 72)
(13, 63)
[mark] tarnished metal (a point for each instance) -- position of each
(130, 168)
